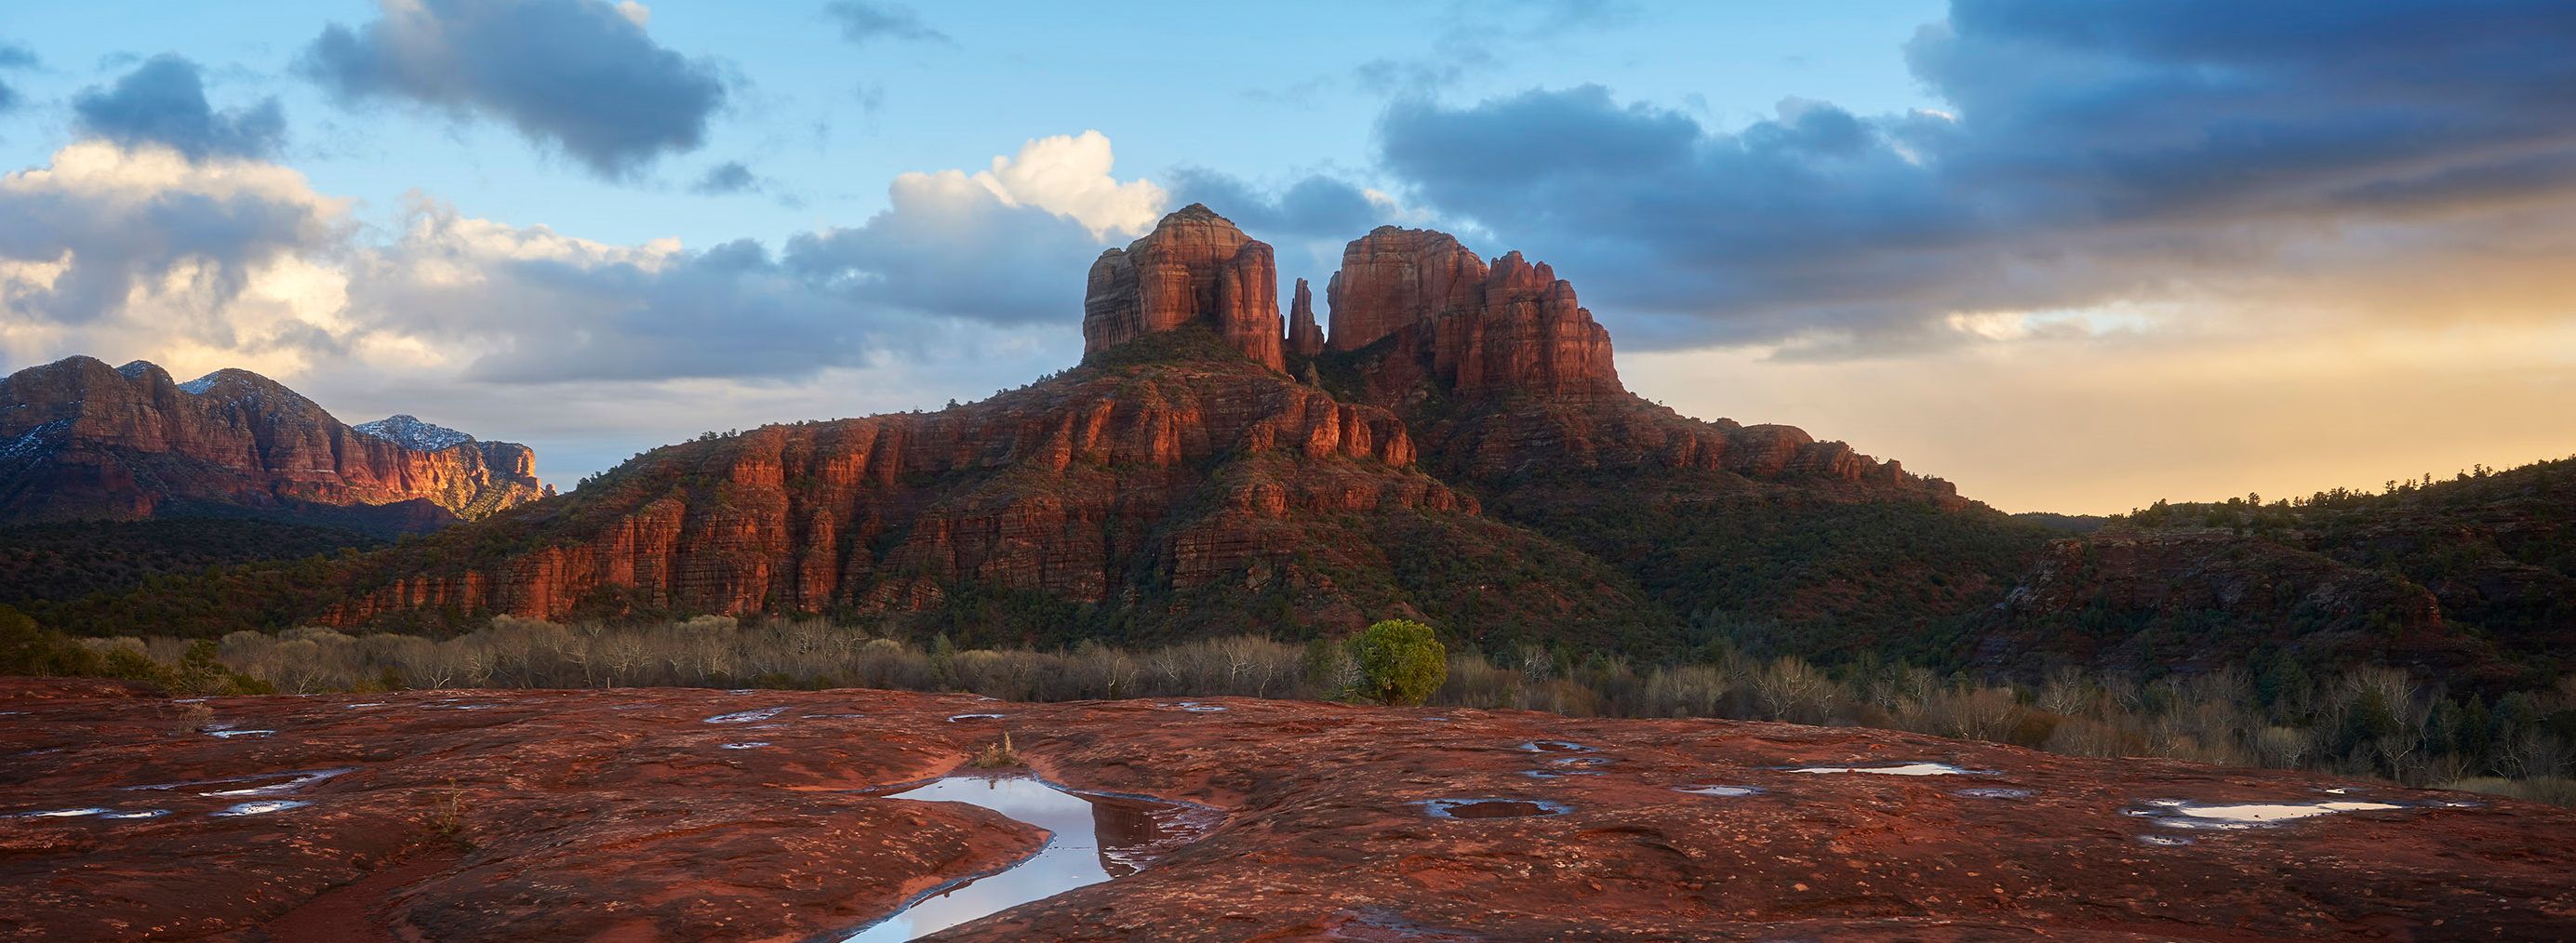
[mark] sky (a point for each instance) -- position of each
(2071, 257)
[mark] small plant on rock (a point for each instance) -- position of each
(998, 754)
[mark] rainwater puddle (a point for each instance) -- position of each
(960, 718)
(1196, 707)
(1555, 746)
(272, 784)
(1558, 773)
(747, 745)
(2175, 813)
(229, 734)
(91, 812)
(746, 717)
(1729, 792)
(1090, 839)
(1908, 769)
(1994, 793)
(262, 807)
(1492, 808)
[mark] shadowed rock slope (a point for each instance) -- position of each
(2471, 580)
(80, 440)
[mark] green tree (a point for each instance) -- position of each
(1401, 663)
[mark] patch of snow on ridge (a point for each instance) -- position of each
(411, 432)
(200, 385)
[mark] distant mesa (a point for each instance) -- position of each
(82, 441)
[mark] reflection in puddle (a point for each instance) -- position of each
(747, 745)
(262, 807)
(1196, 707)
(963, 717)
(1726, 791)
(1492, 808)
(1554, 746)
(292, 781)
(1090, 839)
(1994, 793)
(2175, 813)
(1558, 773)
(229, 734)
(745, 717)
(2167, 840)
(1908, 769)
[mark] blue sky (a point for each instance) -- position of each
(2072, 256)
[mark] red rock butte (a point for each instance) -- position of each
(82, 440)
(1194, 268)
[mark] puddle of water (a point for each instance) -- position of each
(364, 704)
(2175, 813)
(1908, 769)
(1197, 708)
(1994, 793)
(966, 717)
(299, 781)
(1581, 761)
(61, 813)
(1492, 808)
(747, 745)
(836, 715)
(229, 734)
(1729, 792)
(1558, 773)
(1555, 746)
(294, 780)
(746, 717)
(262, 807)
(1090, 840)
(2166, 840)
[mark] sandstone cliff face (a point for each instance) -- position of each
(1195, 267)
(81, 440)
(1061, 489)
(1305, 337)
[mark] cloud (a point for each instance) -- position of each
(164, 102)
(1316, 206)
(1066, 175)
(863, 22)
(13, 56)
(109, 241)
(2351, 159)
(728, 177)
(1480, 36)
(1005, 245)
(581, 75)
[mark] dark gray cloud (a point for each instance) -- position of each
(572, 73)
(863, 22)
(1316, 206)
(164, 102)
(2084, 153)
(725, 178)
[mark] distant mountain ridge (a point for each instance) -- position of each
(82, 441)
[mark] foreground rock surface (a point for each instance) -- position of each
(621, 815)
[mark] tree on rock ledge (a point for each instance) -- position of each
(1401, 663)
